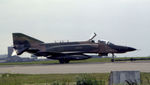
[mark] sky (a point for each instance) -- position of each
(122, 22)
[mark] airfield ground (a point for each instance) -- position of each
(94, 65)
(143, 66)
(46, 72)
(92, 60)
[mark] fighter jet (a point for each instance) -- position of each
(66, 51)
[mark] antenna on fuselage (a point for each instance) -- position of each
(93, 37)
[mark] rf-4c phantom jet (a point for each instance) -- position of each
(66, 51)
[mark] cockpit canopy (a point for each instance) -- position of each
(104, 41)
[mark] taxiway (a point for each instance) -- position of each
(76, 68)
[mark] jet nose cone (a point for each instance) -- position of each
(131, 49)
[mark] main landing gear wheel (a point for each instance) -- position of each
(112, 60)
(62, 61)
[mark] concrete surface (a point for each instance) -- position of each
(76, 68)
(124, 77)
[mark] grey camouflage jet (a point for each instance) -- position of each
(66, 51)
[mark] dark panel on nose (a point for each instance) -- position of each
(131, 49)
(121, 49)
(125, 49)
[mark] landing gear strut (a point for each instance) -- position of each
(113, 58)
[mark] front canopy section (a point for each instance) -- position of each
(105, 42)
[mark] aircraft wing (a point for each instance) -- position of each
(58, 53)
(73, 53)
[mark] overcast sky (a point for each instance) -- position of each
(123, 22)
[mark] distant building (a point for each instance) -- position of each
(10, 51)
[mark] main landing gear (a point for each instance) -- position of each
(63, 61)
(113, 58)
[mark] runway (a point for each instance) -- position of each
(76, 68)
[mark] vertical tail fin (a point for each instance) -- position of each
(22, 42)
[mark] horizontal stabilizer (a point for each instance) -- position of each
(20, 51)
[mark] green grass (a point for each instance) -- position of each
(28, 79)
(56, 61)
(64, 79)
(93, 60)
(33, 62)
(145, 78)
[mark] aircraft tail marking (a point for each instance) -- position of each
(22, 42)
